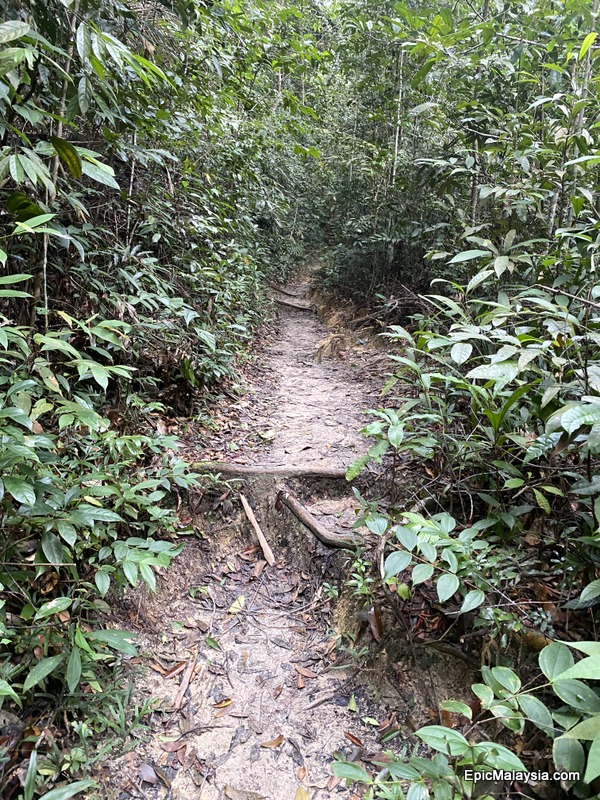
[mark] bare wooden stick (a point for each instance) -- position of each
(320, 531)
(268, 553)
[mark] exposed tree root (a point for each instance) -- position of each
(248, 470)
(286, 498)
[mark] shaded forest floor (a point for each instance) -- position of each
(255, 668)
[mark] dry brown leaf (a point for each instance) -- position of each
(147, 773)
(157, 668)
(375, 623)
(257, 571)
(175, 670)
(236, 794)
(332, 783)
(173, 747)
(300, 684)
(354, 739)
(185, 681)
(164, 778)
(306, 673)
(223, 703)
(274, 742)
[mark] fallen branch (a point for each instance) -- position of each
(185, 681)
(306, 518)
(268, 553)
(333, 473)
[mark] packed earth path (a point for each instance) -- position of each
(256, 690)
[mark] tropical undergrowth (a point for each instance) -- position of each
(468, 162)
(148, 164)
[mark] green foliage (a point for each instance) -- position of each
(148, 163)
(568, 715)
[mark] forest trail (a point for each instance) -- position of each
(255, 693)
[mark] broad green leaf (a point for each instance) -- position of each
(20, 489)
(53, 607)
(6, 690)
(396, 562)
(102, 580)
(461, 352)
(13, 29)
(586, 669)
(422, 573)
(498, 756)
(456, 707)
(52, 548)
(406, 536)
(469, 255)
(447, 585)
(73, 674)
(578, 695)
(350, 771)
(68, 155)
(536, 712)
(118, 640)
(568, 755)
(444, 740)
(587, 43)
(473, 599)
(586, 730)
(101, 174)
(41, 670)
(377, 524)
(555, 659)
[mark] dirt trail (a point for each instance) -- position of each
(319, 402)
(269, 698)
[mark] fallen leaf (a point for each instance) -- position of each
(277, 691)
(237, 605)
(164, 778)
(257, 571)
(158, 668)
(354, 739)
(273, 743)
(306, 673)
(223, 703)
(175, 670)
(236, 794)
(301, 773)
(300, 684)
(173, 747)
(375, 623)
(352, 706)
(332, 783)
(147, 773)
(302, 794)
(181, 755)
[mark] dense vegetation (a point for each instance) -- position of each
(158, 164)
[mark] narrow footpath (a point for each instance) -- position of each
(259, 684)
